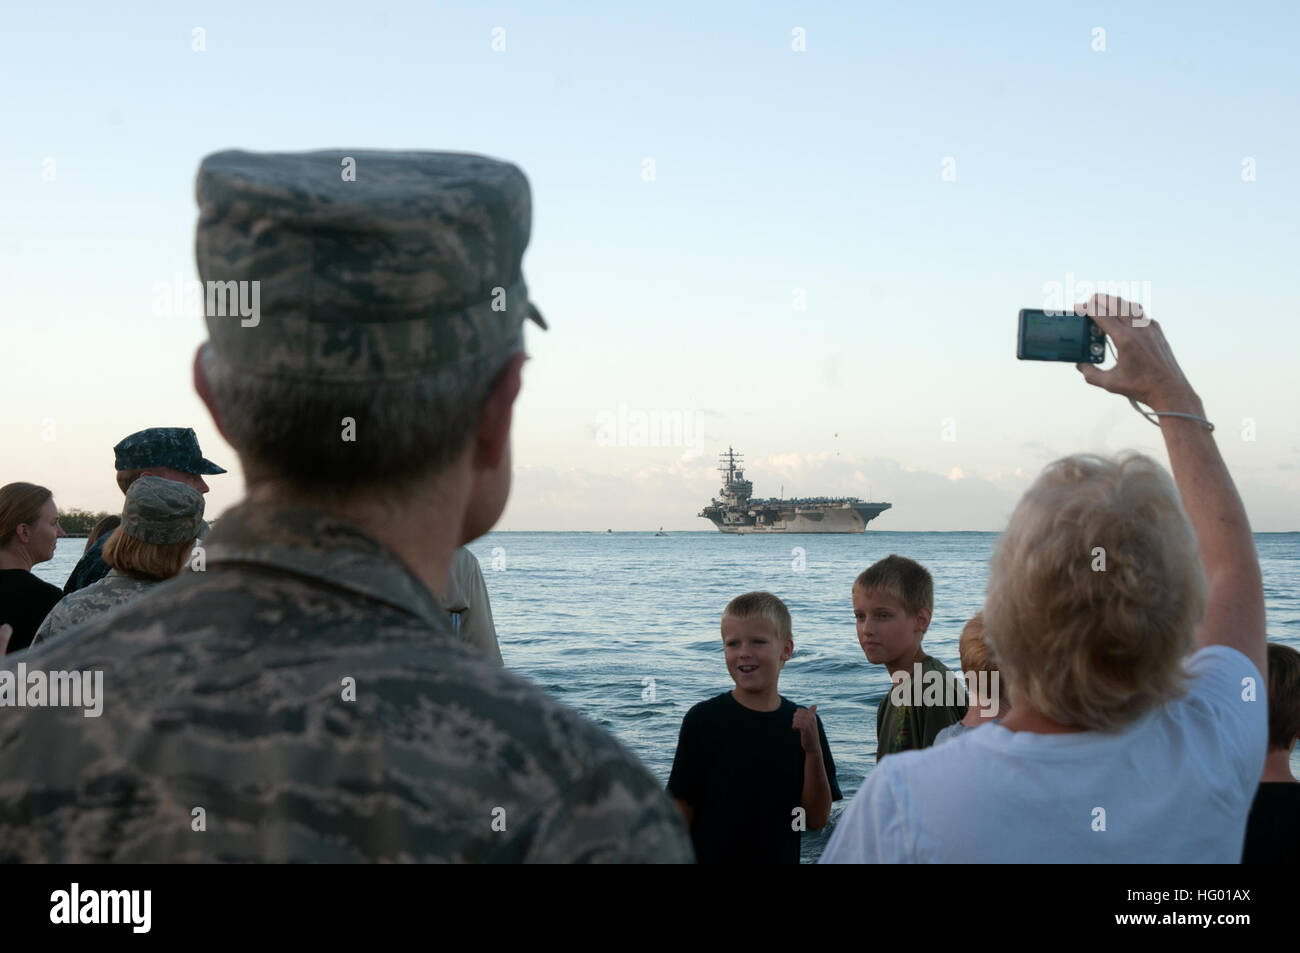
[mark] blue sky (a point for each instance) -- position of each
(777, 174)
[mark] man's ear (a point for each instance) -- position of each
(493, 436)
(204, 390)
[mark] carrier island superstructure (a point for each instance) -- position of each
(736, 512)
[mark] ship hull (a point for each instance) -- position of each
(737, 512)
(846, 519)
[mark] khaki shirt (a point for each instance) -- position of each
(467, 602)
(912, 727)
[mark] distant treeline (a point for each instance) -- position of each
(80, 522)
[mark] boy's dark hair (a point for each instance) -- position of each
(906, 580)
(1283, 695)
(762, 605)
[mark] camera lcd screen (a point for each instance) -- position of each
(1053, 337)
(1053, 334)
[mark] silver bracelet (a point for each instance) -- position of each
(1152, 415)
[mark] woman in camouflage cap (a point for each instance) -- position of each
(160, 522)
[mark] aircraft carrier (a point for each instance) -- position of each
(736, 512)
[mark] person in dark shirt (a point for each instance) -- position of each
(172, 453)
(1273, 827)
(29, 531)
(753, 769)
(102, 528)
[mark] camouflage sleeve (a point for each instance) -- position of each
(43, 632)
(614, 814)
(55, 621)
(72, 611)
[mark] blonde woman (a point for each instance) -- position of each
(159, 524)
(1130, 628)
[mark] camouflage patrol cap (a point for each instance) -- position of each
(162, 511)
(369, 265)
(175, 447)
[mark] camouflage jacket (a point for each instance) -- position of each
(72, 610)
(90, 567)
(303, 699)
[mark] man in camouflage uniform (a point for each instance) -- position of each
(158, 512)
(169, 452)
(304, 698)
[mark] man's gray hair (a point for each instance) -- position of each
(404, 430)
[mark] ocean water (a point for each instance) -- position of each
(623, 627)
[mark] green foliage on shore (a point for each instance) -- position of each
(80, 522)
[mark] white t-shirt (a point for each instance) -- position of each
(1174, 787)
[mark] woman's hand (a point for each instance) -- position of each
(1145, 368)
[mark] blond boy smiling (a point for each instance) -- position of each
(753, 769)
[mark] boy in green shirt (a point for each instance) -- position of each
(893, 601)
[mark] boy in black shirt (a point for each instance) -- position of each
(752, 769)
(1273, 827)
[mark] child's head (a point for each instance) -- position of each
(1283, 695)
(757, 640)
(892, 603)
(976, 656)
